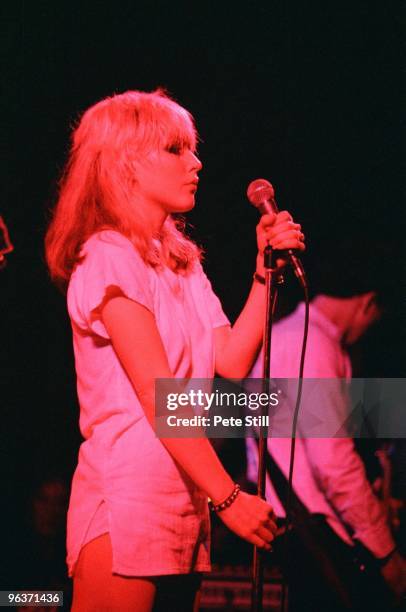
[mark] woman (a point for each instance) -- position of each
(142, 308)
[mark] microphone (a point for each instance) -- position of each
(261, 194)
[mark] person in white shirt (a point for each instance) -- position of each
(142, 309)
(329, 475)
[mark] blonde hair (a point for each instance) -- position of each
(96, 190)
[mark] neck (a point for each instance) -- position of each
(152, 215)
(338, 310)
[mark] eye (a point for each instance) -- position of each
(175, 149)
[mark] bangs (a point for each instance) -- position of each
(136, 121)
(180, 139)
(172, 125)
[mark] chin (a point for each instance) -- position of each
(184, 208)
(352, 338)
(191, 206)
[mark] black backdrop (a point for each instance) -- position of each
(306, 94)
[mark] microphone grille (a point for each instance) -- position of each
(260, 190)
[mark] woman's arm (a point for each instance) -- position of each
(237, 348)
(133, 331)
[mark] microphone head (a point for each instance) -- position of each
(260, 191)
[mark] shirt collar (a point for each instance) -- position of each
(319, 318)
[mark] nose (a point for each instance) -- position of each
(195, 163)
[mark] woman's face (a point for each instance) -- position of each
(167, 179)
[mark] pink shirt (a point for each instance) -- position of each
(329, 476)
(126, 483)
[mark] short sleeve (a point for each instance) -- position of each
(213, 304)
(111, 266)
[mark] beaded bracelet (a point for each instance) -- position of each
(227, 502)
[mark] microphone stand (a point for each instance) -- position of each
(271, 281)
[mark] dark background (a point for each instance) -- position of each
(307, 95)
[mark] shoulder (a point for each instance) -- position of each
(195, 276)
(110, 263)
(105, 240)
(197, 272)
(110, 248)
(109, 257)
(323, 352)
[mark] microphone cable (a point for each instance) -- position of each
(289, 494)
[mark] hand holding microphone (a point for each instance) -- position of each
(276, 228)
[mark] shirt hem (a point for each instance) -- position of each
(160, 571)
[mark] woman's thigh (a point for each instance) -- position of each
(97, 589)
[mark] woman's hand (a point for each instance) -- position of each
(281, 233)
(251, 518)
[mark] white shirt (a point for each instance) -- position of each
(329, 476)
(126, 482)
